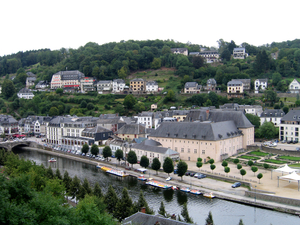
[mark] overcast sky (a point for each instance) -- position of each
(32, 25)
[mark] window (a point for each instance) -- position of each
(189, 150)
(195, 150)
(176, 149)
(182, 149)
(203, 152)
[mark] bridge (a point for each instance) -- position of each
(9, 145)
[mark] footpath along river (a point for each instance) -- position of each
(224, 212)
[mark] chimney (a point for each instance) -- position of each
(207, 114)
(143, 210)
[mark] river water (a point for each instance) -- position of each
(224, 212)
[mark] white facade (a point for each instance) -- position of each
(25, 93)
(294, 86)
(56, 81)
(104, 85)
(151, 86)
(145, 118)
(239, 53)
(118, 85)
(260, 84)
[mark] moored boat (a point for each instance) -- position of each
(174, 188)
(52, 160)
(116, 172)
(185, 189)
(209, 195)
(105, 168)
(142, 178)
(98, 166)
(195, 192)
(158, 184)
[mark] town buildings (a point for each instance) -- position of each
(25, 93)
(87, 84)
(289, 126)
(137, 85)
(192, 88)
(183, 51)
(8, 125)
(294, 86)
(104, 85)
(272, 115)
(209, 56)
(118, 85)
(151, 87)
(235, 89)
(260, 85)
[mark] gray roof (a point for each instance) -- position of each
(234, 83)
(272, 113)
(153, 147)
(25, 91)
(137, 79)
(149, 114)
(197, 130)
(238, 117)
(31, 79)
(151, 82)
(104, 82)
(30, 74)
(70, 75)
(95, 130)
(293, 115)
(132, 129)
(262, 80)
(190, 84)
(236, 49)
(119, 81)
(244, 81)
(140, 218)
(7, 119)
(211, 81)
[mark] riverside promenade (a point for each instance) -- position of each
(220, 188)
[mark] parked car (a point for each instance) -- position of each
(236, 184)
(192, 174)
(283, 141)
(298, 149)
(169, 178)
(199, 175)
(187, 173)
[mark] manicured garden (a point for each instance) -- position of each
(249, 157)
(275, 161)
(291, 158)
(259, 153)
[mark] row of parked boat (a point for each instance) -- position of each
(158, 184)
(119, 173)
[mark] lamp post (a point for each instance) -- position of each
(255, 193)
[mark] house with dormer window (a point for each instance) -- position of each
(289, 126)
(294, 86)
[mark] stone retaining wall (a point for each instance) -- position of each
(272, 198)
(274, 151)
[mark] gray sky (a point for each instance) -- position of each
(32, 24)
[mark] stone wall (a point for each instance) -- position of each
(274, 151)
(272, 198)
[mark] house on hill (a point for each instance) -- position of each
(260, 84)
(192, 88)
(272, 115)
(183, 51)
(294, 86)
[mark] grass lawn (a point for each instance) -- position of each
(295, 165)
(275, 161)
(249, 157)
(292, 158)
(258, 153)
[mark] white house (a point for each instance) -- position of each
(104, 85)
(260, 84)
(272, 115)
(25, 93)
(118, 85)
(183, 51)
(294, 86)
(151, 86)
(145, 118)
(289, 126)
(239, 53)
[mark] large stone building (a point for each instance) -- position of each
(66, 79)
(182, 51)
(289, 126)
(272, 115)
(192, 88)
(239, 53)
(137, 85)
(8, 125)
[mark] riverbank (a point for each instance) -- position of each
(219, 188)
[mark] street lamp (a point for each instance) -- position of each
(255, 193)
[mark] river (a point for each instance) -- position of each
(224, 212)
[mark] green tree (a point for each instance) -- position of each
(111, 199)
(185, 214)
(259, 176)
(131, 158)
(285, 109)
(182, 168)
(156, 63)
(90, 106)
(58, 175)
(122, 73)
(129, 101)
(243, 172)
(87, 187)
(107, 152)
(53, 111)
(266, 165)
(67, 181)
(236, 161)
(224, 163)
(250, 163)
(83, 104)
(211, 161)
(199, 164)
(170, 97)
(94, 149)
(144, 161)
(254, 169)
(124, 206)
(59, 91)
(226, 170)
(142, 203)
(212, 167)
(241, 222)
(156, 164)
(85, 148)
(168, 165)
(97, 191)
(268, 130)
(49, 173)
(119, 155)
(276, 78)
(255, 120)
(8, 88)
(209, 220)
(239, 166)
(162, 210)
(74, 187)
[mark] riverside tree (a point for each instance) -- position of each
(182, 168)
(95, 149)
(227, 170)
(259, 176)
(224, 164)
(209, 220)
(131, 158)
(156, 164)
(185, 214)
(119, 155)
(97, 191)
(106, 152)
(212, 167)
(142, 203)
(168, 165)
(144, 161)
(85, 148)
(162, 210)
(124, 206)
(111, 199)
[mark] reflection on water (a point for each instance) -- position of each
(224, 212)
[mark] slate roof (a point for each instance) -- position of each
(234, 83)
(119, 81)
(25, 91)
(104, 81)
(151, 82)
(211, 81)
(132, 129)
(272, 113)
(146, 219)
(30, 74)
(197, 130)
(95, 130)
(293, 115)
(7, 119)
(136, 79)
(147, 114)
(216, 115)
(32, 79)
(190, 84)
(70, 75)
(153, 147)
